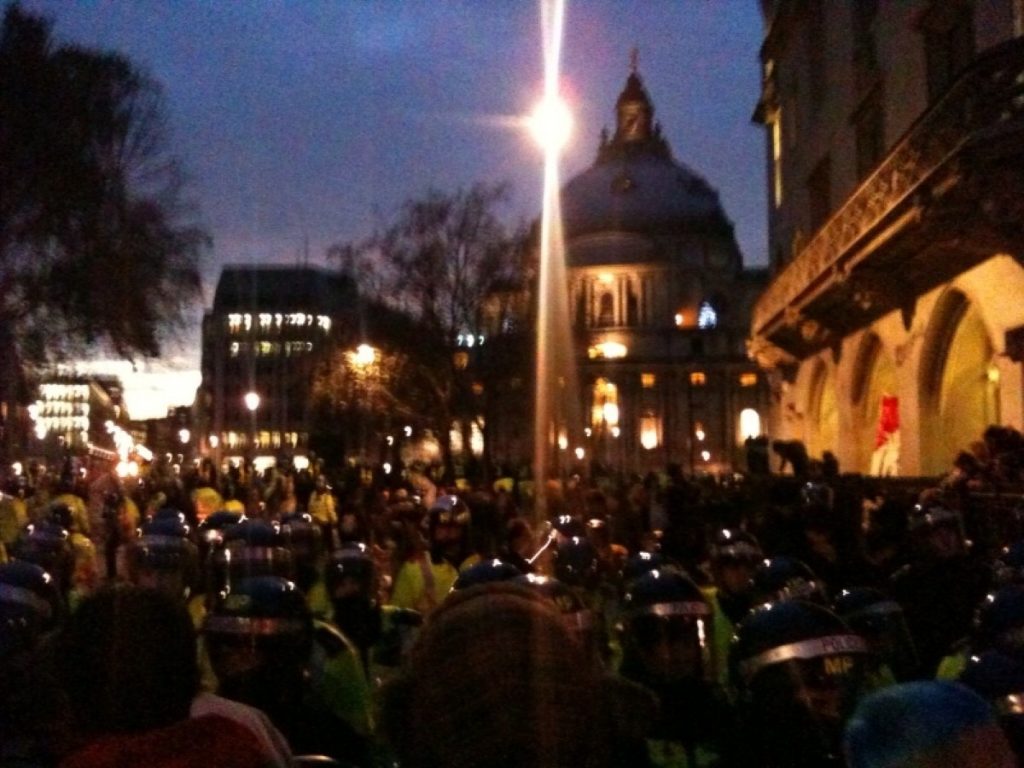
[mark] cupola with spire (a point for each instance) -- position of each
(635, 129)
(636, 185)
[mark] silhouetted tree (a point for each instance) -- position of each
(440, 262)
(95, 240)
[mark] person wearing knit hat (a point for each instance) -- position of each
(497, 679)
(925, 724)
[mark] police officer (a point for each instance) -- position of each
(786, 578)
(46, 544)
(260, 637)
(798, 670)
(667, 636)
(248, 548)
(162, 557)
(734, 557)
(879, 620)
(30, 704)
(427, 575)
(941, 586)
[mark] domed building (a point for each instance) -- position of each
(661, 305)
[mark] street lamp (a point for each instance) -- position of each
(252, 402)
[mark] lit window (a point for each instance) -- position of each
(680, 319)
(605, 408)
(698, 379)
(775, 127)
(609, 350)
(324, 322)
(706, 455)
(461, 360)
(649, 428)
(234, 322)
(247, 321)
(750, 423)
(707, 318)
(234, 349)
(278, 320)
(698, 431)
(648, 380)
(610, 413)
(265, 320)
(748, 379)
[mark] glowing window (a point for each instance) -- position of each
(748, 379)
(707, 317)
(234, 349)
(265, 320)
(648, 380)
(698, 431)
(750, 423)
(650, 426)
(609, 350)
(698, 379)
(605, 408)
(461, 360)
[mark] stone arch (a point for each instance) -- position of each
(822, 431)
(874, 378)
(955, 392)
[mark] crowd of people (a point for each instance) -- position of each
(288, 618)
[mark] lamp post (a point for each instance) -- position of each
(252, 402)
(362, 360)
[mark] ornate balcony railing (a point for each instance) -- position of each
(984, 103)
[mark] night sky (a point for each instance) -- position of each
(314, 120)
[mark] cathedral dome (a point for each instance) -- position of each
(636, 186)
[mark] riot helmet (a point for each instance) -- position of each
(578, 617)
(666, 625)
(163, 557)
(47, 545)
(1008, 568)
(351, 583)
(643, 562)
(734, 557)
(798, 670)
(486, 571)
(29, 606)
(249, 548)
(447, 521)
(576, 562)
(781, 578)
(258, 630)
(304, 539)
(1000, 622)
(171, 513)
(880, 621)
(351, 571)
(999, 679)
(937, 533)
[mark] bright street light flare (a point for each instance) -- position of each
(551, 123)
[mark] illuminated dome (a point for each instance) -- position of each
(636, 186)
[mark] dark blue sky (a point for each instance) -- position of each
(315, 119)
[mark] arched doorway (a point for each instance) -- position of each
(957, 396)
(823, 412)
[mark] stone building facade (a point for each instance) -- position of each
(893, 327)
(660, 303)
